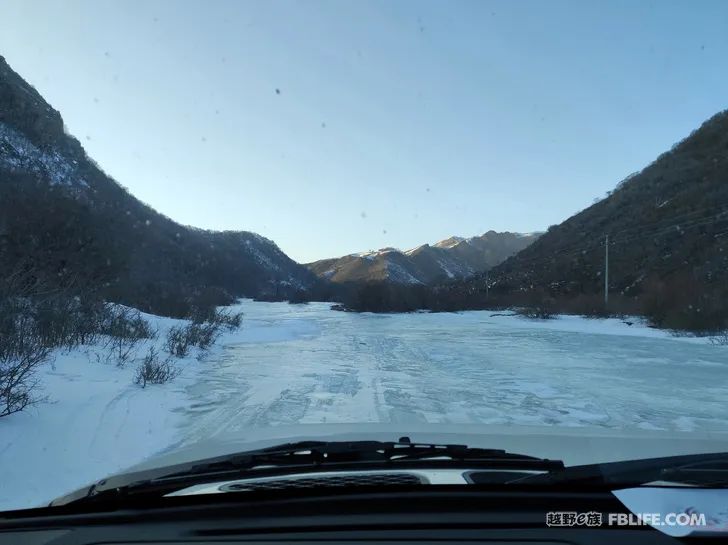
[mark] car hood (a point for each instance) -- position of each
(572, 445)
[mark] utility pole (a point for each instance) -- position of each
(606, 270)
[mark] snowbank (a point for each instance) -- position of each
(94, 422)
(630, 326)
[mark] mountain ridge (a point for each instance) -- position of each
(451, 258)
(63, 217)
(668, 245)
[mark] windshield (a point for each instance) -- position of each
(228, 225)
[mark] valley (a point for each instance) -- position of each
(306, 364)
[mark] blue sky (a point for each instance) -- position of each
(396, 122)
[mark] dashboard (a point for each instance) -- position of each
(436, 514)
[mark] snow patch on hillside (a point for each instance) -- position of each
(397, 273)
(18, 154)
(260, 257)
(416, 249)
(450, 242)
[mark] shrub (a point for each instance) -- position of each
(203, 303)
(537, 312)
(35, 319)
(720, 339)
(180, 339)
(86, 317)
(681, 303)
(22, 351)
(537, 305)
(299, 297)
(205, 334)
(125, 329)
(226, 319)
(126, 323)
(152, 370)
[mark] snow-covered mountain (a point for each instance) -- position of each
(453, 258)
(63, 216)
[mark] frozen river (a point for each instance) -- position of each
(307, 364)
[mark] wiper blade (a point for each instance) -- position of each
(711, 472)
(704, 470)
(319, 453)
(308, 456)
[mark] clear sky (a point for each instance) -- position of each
(348, 125)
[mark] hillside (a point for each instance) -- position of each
(668, 245)
(450, 259)
(65, 220)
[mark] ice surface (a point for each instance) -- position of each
(467, 368)
(294, 364)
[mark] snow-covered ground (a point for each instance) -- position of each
(307, 364)
(94, 421)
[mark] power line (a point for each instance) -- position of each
(643, 235)
(671, 219)
(677, 227)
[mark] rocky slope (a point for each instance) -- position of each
(668, 243)
(64, 218)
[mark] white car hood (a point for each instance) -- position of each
(575, 445)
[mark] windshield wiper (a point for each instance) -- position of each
(703, 470)
(330, 453)
(308, 456)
